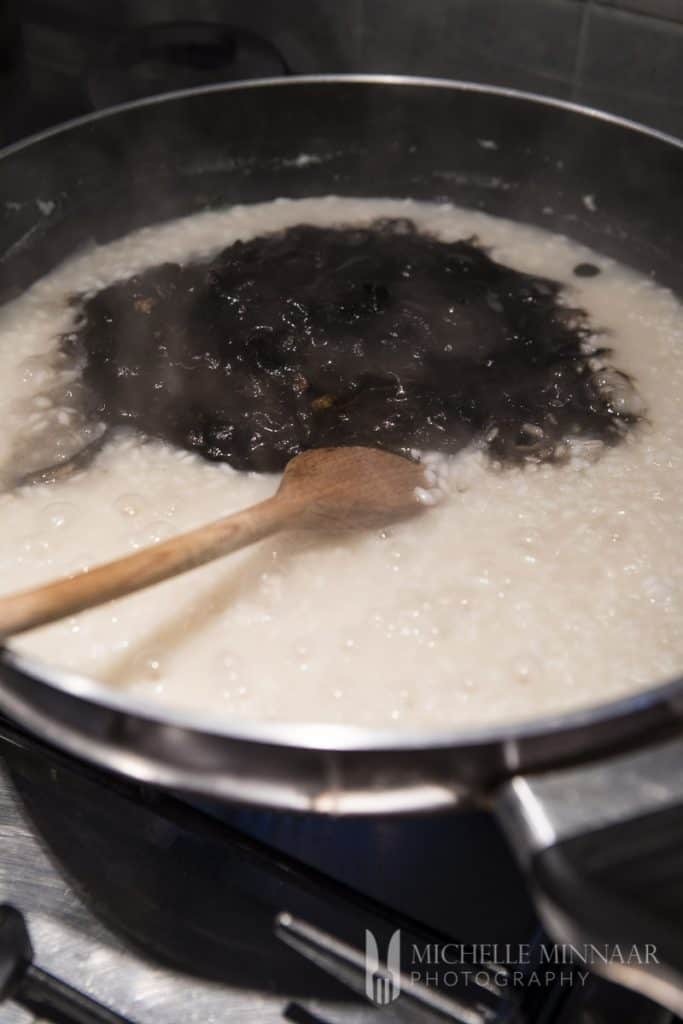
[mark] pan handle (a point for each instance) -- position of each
(602, 845)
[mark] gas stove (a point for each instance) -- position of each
(164, 909)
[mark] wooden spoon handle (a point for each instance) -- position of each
(31, 608)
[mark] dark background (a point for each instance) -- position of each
(61, 58)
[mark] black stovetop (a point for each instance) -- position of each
(197, 888)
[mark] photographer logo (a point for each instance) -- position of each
(382, 981)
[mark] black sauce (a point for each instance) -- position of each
(325, 336)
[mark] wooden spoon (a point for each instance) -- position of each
(323, 489)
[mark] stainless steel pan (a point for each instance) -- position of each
(592, 801)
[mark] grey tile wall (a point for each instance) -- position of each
(489, 41)
(625, 56)
(590, 51)
(632, 64)
(672, 9)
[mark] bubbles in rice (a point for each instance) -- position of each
(533, 585)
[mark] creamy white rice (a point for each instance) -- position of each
(523, 592)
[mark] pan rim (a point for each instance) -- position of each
(324, 736)
(421, 81)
